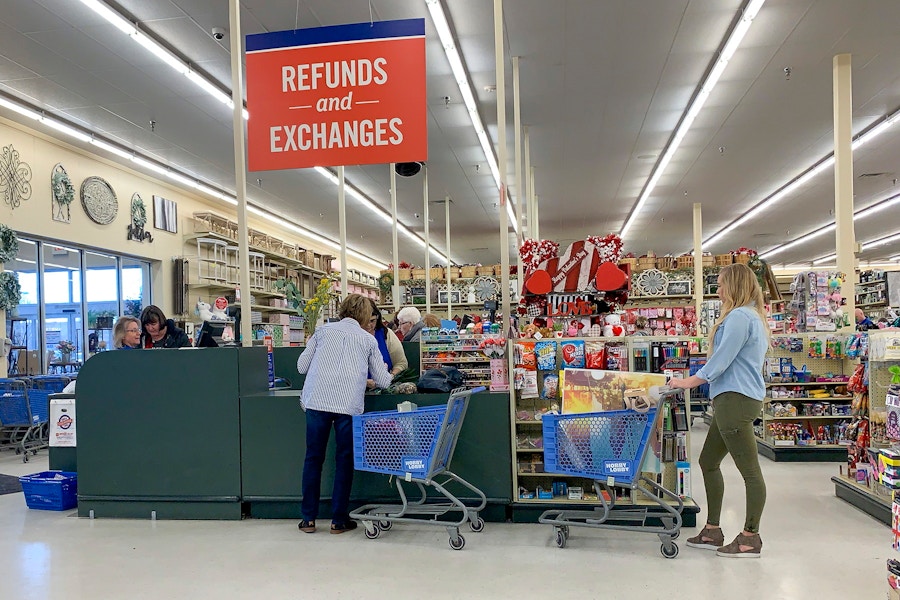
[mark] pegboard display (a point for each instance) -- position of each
(815, 366)
(879, 380)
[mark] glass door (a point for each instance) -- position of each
(23, 325)
(101, 291)
(64, 335)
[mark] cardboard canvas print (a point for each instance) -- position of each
(591, 390)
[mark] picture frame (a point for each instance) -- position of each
(679, 288)
(455, 297)
(165, 214)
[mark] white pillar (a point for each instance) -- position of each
(843, 178)
(240, 168)
(528, 183)
(449, 263)
(698, 261)
(520, 197)
(342, 225)
(427, 244)
(396, 287)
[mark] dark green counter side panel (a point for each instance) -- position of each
(160, 430)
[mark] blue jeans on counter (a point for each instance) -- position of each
(318, 430)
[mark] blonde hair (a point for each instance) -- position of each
(739, 287)
(356, 307)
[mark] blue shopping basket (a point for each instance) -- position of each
(598, 445)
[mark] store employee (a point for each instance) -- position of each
(160, 332)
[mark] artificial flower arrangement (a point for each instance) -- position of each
(748, 251)
(65, 347)
(534, 252)
(312, 308)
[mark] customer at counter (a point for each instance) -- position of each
(127, 333)
(336, 360)
(388, 343)
(411, 323)
(160, 332)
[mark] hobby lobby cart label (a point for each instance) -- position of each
(339, 95)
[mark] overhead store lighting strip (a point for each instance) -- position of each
(866, 246)
(731, 45)
(860, 214)
(823, 164)
(175, 175)
(439, 18)
(182, 67)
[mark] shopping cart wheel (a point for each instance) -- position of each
(676, 535)
(669, 553)
(561, 537)
(385, 525)
(477, 526)
(374, 533)
(459, 543)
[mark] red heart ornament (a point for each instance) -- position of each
(609, 277)
(617, 330)
(539, 283)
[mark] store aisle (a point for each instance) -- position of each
(816, 546)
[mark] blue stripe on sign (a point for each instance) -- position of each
(335, 33)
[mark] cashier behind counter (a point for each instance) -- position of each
(160, 332)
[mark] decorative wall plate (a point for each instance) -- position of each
(486, 288)
(652, 282)
(62, 194)
(99, 200)
(15, 178)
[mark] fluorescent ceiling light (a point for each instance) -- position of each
(825, 259)
(706, 88)
(22, 110)
(823, 164)
(183, 180)
(68, 130)
(865, 246)
(110, 15)
(120, 152)
(149, 164)
(436, 9)
(895, 257)
(160, 52)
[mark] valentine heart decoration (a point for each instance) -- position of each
(609, 277)
(539, 283)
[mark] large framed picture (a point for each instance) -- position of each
(454, 296)
(165, 214)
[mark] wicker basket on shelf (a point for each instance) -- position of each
(418, 273)
(742, 258)
(404, 274)
(485, 271)
(723, 260)
(453, 272)
(469, 271)
(665, 263)
(646, 262)
(630, 261)
(709, 260)
(684, 262)
(437, 273)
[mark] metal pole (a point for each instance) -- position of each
(698, 261)
(501, 160)
(396, 255)
(526, 197)
(449, 267)
(240, 169)
(843, 178)
(427, 244)
(520, 197)
(342, 224)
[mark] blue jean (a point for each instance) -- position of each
(318, 430)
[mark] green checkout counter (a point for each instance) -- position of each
(196, 434)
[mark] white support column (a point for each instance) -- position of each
(240, 168)
(698, 259)
(501, 162)
(342, 225)
(396, 255)
(520, 197)
(528, 184)
(536, 209)
(843, 178)
(449, 267)
(427, 245)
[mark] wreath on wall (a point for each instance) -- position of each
(10, 290)
(9, 244)
(386, 282)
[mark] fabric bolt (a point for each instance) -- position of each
(731, 432)
(336, 360)
(739, 351)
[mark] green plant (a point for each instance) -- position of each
(291, 293)
(9, 244)
(10, 290)
(94, 314)
(133, 308)
(312, 308)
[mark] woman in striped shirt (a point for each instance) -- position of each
(337, 360)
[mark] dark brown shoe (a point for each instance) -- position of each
(733, 550)
(343, 527)
(307, 526)
(708, 539)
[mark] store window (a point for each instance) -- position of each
(63, 318)
(71, 298)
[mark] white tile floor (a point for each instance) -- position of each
(816, 546)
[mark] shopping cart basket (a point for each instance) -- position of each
(416, 447)
(610, 448)
(24, 415)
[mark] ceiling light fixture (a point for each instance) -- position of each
(825, 163)
(865, 246)
(731, 45)
(442, 25)
(161, 52)
(374, 207)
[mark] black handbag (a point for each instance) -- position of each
(445, 379)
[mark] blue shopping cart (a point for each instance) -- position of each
(416, 447)
(24, 416)
(610, 448)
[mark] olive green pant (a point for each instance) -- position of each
(731, 432)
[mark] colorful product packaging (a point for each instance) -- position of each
(595, 355)
(545, 353)
(573, 354)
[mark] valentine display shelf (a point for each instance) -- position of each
(537, 392)
(481, 358)
(860, 484)
(807, 409)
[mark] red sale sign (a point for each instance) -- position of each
(340, 95)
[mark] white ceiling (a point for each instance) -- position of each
(603, 86)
